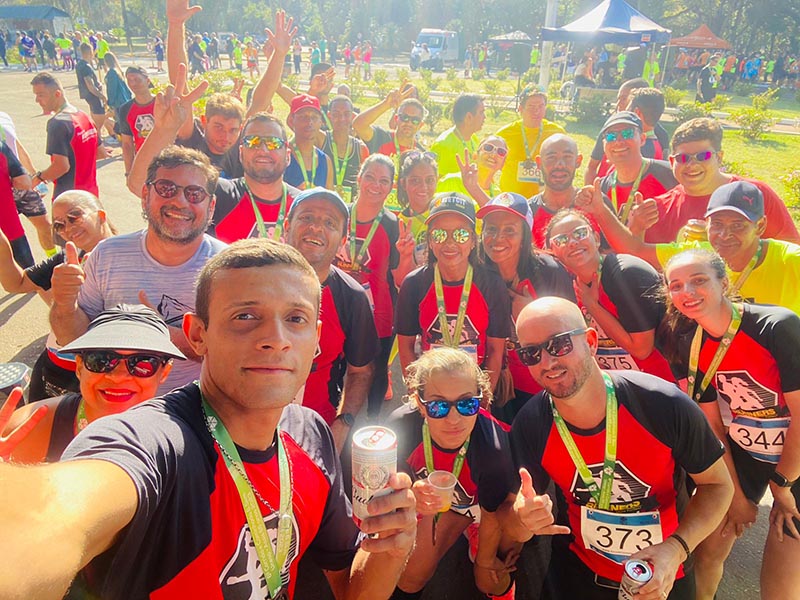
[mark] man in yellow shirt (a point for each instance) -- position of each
(524, 137)
(765, 271)
(469, 114)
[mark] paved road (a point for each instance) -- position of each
(23, 321)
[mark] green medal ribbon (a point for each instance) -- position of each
(81, 421)
(356, 258)
(601, 496)
(271, 560)
(748, 269)
(260, 225)
(452, 342)
(530, 152)
(299, 158)
(626, 209)
(458, 463)
(722, 349)
(340, 166)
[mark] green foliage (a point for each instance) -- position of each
(672, 96)
(719, 102)
(691, 110)
(744, 89)
(756, 120)
(791, 183)
(451, 74)
(478, 74)
(402, 75)
(493, 92)
(736, 168)
(427, 76)
(591, 109)
(681, 83)
(503, 75)
(381, 84)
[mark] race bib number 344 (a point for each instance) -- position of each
(616, 536)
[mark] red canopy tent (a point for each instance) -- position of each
(702, 37)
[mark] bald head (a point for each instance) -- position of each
(546, 317)
(559, 140)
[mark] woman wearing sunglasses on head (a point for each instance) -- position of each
(80, 218)
(416, 186)
(528, 274)
(443, 428)
(121, 360)
(748, 355)
(454, 300)
(618, 294)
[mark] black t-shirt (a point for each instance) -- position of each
(228, 163)
(41, 273)
(189, 537)
(662, 435)
(707, 78)
(83, 70)
(488, 474)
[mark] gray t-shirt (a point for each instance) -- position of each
(119, 267)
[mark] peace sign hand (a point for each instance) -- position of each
(10, 441)
(174, 105)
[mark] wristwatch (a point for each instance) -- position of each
(347, 418)
(780, 480)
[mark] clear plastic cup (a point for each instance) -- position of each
(444, 482)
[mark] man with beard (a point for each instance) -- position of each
(156, 266)
(348, 342)
(635, 435)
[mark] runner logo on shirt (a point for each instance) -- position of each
(144, 124)
(627, 492)
(172, 310)
(745, 394)
(469, 334)
(242, 578)
(344, 261)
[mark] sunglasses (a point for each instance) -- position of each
(499, 150)
(466, 407)
(624, 134)
(72, 217)
(269, 142)
(558, 345)
(194, 194)
(577, 234)
(139, 365)
(684, 158)
(459, 236)
(404, 118)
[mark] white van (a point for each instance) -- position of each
(443, 47)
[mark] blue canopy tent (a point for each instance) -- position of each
(610, 22)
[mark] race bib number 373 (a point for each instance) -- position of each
(616, 536)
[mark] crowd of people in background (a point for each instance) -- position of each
(608, 365)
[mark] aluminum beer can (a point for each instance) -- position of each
(374, 460)
(635, 573)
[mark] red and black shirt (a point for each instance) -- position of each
(72, 133)
(488, 474)
(234, 218)
(189, 537)
(662, 436)
(656, 179)
(488, 312)
(374, 270)
(136, 120)
(347, 337)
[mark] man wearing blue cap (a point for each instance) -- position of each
(343, 367)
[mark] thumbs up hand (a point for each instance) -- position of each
(590, 198)
(535, 512)
(644, 214)
(68, 278)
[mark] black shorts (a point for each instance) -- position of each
(568, 579)
(754, 477)
(29, 203)
(95, 105)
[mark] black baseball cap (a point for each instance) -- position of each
(452, 202)
(739, 196)
(623, 117)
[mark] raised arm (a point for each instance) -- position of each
(81, 506)
(178, 12)
(362, 124)
(270, 82)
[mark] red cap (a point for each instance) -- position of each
(302, 101)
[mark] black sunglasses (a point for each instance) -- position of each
(139, 365)
(558, 345)
(194, 194)
(466, 407)
(72, 217)
(404, 118)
